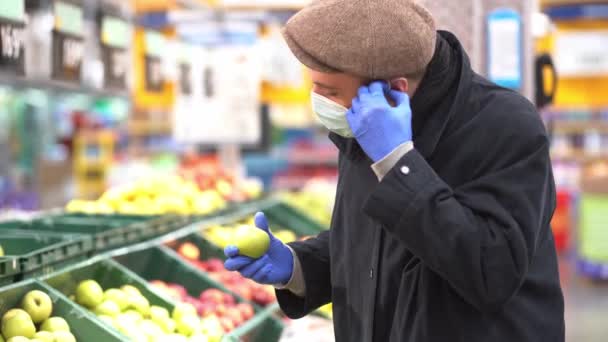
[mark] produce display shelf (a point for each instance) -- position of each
(82, 327)
(39, 253)
(161, 263)
(109, 274)
(109, 231)
(281, 213)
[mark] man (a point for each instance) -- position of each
(441, 225)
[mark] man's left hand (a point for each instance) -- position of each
(379, 127)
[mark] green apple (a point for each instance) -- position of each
(158, 313)
(130, 316)
(182, 310)
(89, 293)
(198, 337)
(1, 251)
(212, 328)
(118, 297)
(64, 336)
(166, 324)
(54, 324)
(188, 325)
(17, 322)
(150, 328)
(107, 308)
(140, 304)
(130, 290)
(45, 336)
(2, 339)
(38, 305)
(18, 339)
(251, 241)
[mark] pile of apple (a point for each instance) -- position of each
(233, 189)
(210, 304)
(129, 312)
(33, 322)
(153, 196)
(245, 288)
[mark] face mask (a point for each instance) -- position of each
(332, 115)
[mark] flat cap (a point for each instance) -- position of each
(374, 39)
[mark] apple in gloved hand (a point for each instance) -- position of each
(274, 266)
(38, 305)
(251, 241)
(17, 322)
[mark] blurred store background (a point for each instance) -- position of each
(194, 107)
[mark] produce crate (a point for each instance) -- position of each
(108, 231)
(109, 274)
(161, 263)
(39, 253)
(9, 270)
(83, 327)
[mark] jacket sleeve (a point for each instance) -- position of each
(313, 255)
(480, 237)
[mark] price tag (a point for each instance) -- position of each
(155, 43)
(505, 66)
(68, 44)
(12, 44)
(68, 52)
(116, 35)
(185, 78)
(68, 18)
(582, 54)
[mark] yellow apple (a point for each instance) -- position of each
(251, 241)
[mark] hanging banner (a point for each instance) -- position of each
(12, 44)
(505, 52)
(154, 44)
(68, 43)
(116, 35)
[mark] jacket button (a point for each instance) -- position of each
(371, 273)
(405, 170)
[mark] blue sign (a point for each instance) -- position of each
(505, 48)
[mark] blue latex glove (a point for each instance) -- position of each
(379, 127)
(273, 268)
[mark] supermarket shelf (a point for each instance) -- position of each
(244, 6)
(59, 86)
(579, 156)
(143, 128)
(574, 127)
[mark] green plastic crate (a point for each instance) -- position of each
(42, 253)
(109, 274)
(108, 231)
(9, 270)
(161, 263)
(83, 327)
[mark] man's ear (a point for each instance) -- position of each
(400, 84)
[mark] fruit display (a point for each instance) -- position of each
(154, 196)
(247, 289)
(316, 204)
(129, 312)
(210, 304)
(33, 321)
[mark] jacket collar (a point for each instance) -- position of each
(441, 91)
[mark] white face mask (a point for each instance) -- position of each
(332, 115)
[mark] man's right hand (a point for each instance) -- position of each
(273, 268)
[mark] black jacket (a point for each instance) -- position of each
(459, 248)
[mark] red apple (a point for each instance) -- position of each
(180, 290)
(212, 295)
(227, 324)
(158, 284)
(243, 291)
(228, 299)
(189, 251)
(221, 310)
(235, 315)
(207, 309)
(214, 265)
(246, 310)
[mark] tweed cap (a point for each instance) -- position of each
(374, 39)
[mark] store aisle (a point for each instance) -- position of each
(586, 306)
